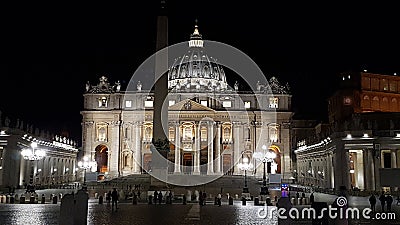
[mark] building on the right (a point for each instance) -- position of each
(359, 147)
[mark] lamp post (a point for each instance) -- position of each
(245, 165)
(85, 164)
(33, 154)
(264, 156)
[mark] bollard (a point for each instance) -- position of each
(22, 199)
(43, 199)
(150, 199)
(268, 201)
(32, 199)
(298, 201)
(12, 199)
(16, 197)
(8, 199)
(215, 200)
(293, 201)
(1, 199)
(230, 200)
(55, 199)
(243, 201)
(256, 201)
(184, 200)
(96, 195)
(101, 199)
(134, 200)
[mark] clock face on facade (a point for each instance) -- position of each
(347, 100)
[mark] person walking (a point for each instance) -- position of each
(201, 198)
(312, 198)
(389, 201)
(114, 199)
(382, 198)
(160, 197)
(155, 196)
(219, 198)
(108, 197)
(372, 202)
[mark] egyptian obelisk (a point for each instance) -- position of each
(160, 113)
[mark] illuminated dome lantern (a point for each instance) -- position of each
(196, 71)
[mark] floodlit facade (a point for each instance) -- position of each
(359, 147)
(211, 124)
(29, 156)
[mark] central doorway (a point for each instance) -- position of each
(101, 157)
(187, 163)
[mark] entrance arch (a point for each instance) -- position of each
(101, 157)
(277, 160)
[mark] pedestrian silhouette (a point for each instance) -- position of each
(108, 197)
(372, 202)
(159, 197)
(155, 196)
(389, 201)
(382, 198)
(312, 198)
(114, 199)
(200, 198)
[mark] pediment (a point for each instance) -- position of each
(189, 105)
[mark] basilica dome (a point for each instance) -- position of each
(195, 70)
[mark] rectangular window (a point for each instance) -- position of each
(227, 104)
(387, 160)
(204, 103)
(247, 105)
(148, 104)
(128, 103)
(171, 102)
(273, 102)
(103, 102)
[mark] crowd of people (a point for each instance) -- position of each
(385, 200)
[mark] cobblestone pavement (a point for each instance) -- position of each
(143, 214)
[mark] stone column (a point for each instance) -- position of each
(218, 149)
(328, 171)
(89, 136)
(236, 147)
(394, 159)
(115, 149)
(177, 167)
(196, 169)
(210, 149)
(137, 151)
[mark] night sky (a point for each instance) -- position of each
(49, 51)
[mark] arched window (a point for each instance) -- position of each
(227, 134)
(385, 104)
(102, 132)
(148, 133)
(273, 131)
(375, 103)
(366, 103)
(187, 132)
(393, 105)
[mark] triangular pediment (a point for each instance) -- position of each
(189, 105)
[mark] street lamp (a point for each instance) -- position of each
(33, 154)
(86, 164)
(245, 165)
(264, 156)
